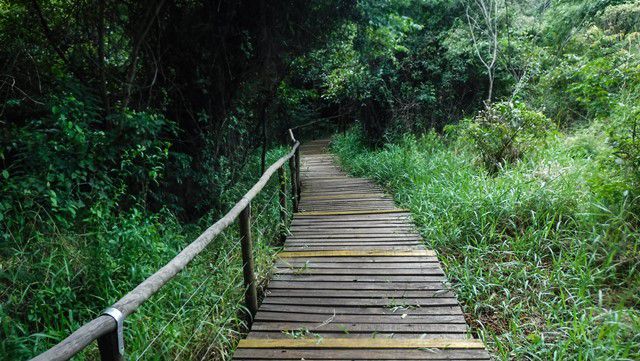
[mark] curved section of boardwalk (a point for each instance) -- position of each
(355, 282)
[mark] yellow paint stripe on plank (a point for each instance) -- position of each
(362, 343)
(358, 211)
(355, 253)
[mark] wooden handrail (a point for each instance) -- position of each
(293, 139)
(104, 328)
(307, 124)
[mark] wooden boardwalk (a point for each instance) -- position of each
(355, 282)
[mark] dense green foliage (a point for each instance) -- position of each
(126, 127)
(412, 65)
(65, 274)
(532, 198)
(213, 71)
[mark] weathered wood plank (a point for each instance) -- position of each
(361, 327)
(353, 310)
(428, 263)
(351, 241)
(349, 196)
(367, 259)
(355, 235)
(417, 246)
(362, 354)
(399, 318)
(351, 225)
(362, 302)
(435, 271)
(361, 344)
(380, 285)
(372, 253)
(394, 232)
(396, 294)
(379, 247)
(362, 211)
(370, 335)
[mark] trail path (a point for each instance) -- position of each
(355, 281)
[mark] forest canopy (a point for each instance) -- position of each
(126, 126)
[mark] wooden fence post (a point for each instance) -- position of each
(294, 182)
(283, 201)
(298, 183)
(108, 347)
(251, 295)
(111, 345)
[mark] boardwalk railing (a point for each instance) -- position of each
(107, 328)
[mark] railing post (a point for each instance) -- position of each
(298, 182)
(251, 295)
(294, 182)
(108, 346)
(283, 201)
(111, 345)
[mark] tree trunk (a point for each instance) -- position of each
(490, 95)
(131, 73)
(101, 57)
(263, 120)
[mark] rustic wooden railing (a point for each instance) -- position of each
(107, 328)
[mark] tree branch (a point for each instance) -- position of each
(131, 74)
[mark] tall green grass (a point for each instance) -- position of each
(54, 282)
(544, 256)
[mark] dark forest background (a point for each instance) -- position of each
(127, 126)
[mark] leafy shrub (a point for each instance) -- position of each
(72, 184)
(622, 18)
(625, 131)
(587, 81)
(504, 131)
(67, 160)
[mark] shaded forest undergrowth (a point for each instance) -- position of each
(543, 253)
(61, 277)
